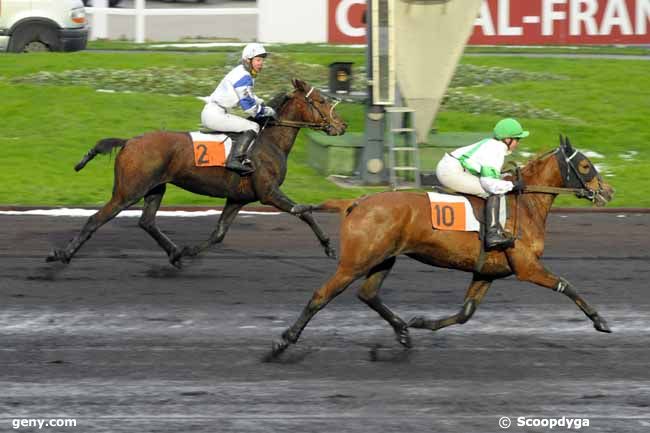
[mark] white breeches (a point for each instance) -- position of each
(452, 175)
(216, 117)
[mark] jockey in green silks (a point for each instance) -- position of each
(476, 170)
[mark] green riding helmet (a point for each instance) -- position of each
(509, 128)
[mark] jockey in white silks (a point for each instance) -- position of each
(476, 170)
(236, 88)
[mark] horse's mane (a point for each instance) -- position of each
(535, 160)
(276, 103)
(278, 100)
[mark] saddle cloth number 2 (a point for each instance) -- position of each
(209, 153)
(448, 216)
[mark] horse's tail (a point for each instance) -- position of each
(103, 146)
(340, 206)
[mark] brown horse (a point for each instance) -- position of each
(378, 228)
(145, 164)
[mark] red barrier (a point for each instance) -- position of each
(526, 22)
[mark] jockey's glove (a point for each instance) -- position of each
(268, 112)
(518, 186)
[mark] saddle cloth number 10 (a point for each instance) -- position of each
(448, 216)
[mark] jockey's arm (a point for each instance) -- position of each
(248, 102)
(490, 179)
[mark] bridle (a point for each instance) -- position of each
(323, 125)
(567, 169)
(585, 191)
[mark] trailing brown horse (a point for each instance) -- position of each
(378, 228)
(145, 164)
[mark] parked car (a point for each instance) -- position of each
(41, 25)
(111, 3)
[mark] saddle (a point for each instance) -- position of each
(451, 210)
(477, 203)
(234, 136)
(212, 148)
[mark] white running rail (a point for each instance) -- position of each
(101, 11)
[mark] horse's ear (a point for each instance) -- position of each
(567, 143)
(562, 143)
(298, 84)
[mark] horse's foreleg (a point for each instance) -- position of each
(230, 211)
(530, 269)
(322, 237)
(368, 293)
(321, 297)
(105, 214)
(147, 222)
(276, 198)
(475, 293)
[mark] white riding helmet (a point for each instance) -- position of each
(253, 50)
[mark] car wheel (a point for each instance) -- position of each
(34, 38)
(35, 47)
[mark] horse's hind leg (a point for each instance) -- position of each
(230, 211)
(115, 205)
(147, 221)
(475, 293)
(321, 297)
(368, 293)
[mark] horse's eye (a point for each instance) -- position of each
(584, 167)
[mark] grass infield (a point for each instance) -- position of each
(46, 126)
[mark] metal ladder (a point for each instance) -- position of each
(404, 157)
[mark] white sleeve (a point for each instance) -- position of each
(496, 186)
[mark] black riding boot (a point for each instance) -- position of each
(238, 160)
(495, 238)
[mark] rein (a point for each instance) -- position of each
(581, 192)
(324, 125)
(298, 124)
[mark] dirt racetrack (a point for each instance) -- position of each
(122, 342)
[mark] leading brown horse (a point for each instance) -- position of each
(378, 228)
(145, 164)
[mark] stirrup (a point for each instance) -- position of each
(240, 167)
(500, 241)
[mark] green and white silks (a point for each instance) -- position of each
(475, 169)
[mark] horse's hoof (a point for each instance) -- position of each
(416, 322)
(58, 256)
(404, 338)
(277, 348)
(175, 259)
(330, 252)
(601, 325)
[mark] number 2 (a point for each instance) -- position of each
(204, 150)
